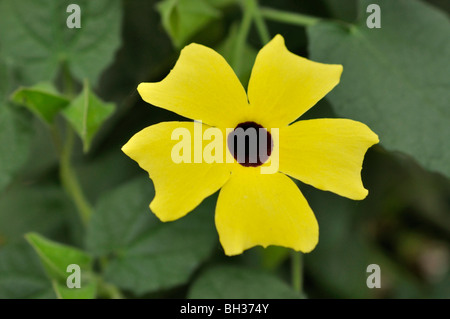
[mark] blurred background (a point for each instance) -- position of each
(395, 80)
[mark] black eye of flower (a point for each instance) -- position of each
(250, 144)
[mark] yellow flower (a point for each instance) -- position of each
(252, 208)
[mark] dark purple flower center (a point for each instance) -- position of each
(250, 144)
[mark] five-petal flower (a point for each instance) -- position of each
(252, 208)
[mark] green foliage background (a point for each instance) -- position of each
(68, 102)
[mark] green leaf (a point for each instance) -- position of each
(35, 38)
(148, 255)
(21, 274)
(184, 18)
(42, 99)
(87, 113)
(342, 273)
(15, 138)
(395, 78)
(343, 9)
(339, 262)
(15, 133)
(41, 143)
(101, 166)
(233, 282)
(40, 208)
(87, 291)
(56, 257)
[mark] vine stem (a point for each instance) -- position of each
(67, 173)
(297, 271)
(288, 17)
(244, 28)
(260, 23)
(69, 179)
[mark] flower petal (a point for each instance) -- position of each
(179, 188)
(264, 209)
(327, 154)
(201, 86)
(283, 85)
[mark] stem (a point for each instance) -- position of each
(69, 179)
(67, 173)
(244, 28)
(297, 271)
(289, 17)
(261, 26)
